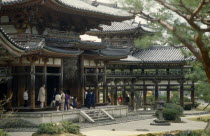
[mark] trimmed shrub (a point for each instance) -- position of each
(2, 133)
(58, 128)
(50, 128)
(71, 128)
(170, 114)
(176, 107)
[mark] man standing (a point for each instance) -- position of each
(41, 96)
(92, 99)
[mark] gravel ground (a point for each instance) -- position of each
(116, 121)
(140, 127)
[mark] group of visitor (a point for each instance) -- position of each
(89, 99)
(59, 99)
(63, 101)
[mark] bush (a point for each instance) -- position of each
(2, 133)
(188, 107)
(170, 114)
(174, 106)
(58, 128)
(50, 128)
(71, 128)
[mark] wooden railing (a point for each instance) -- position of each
(144, 74)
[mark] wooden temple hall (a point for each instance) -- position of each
(40, 44)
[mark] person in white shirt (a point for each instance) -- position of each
(57, 100)
(25, 98)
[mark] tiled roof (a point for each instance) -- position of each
(158, 55)
(109, 52)
(82, 6)
(34, 47)
(116, 27)
(75, 43)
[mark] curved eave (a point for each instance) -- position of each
(84, 12)
(88, 46)
(120, 32)
(102, 57)
(154, 62)
(59, 5)
(9, 44)
(54, 52)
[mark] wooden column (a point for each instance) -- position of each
(32, 86)
(82, 78)
(145, 97)
(124, 92)
(115, 93)
(96, 84)
(132, 93)
(193, 93)
(9, 88)
(181, 82)
(168, 94)
(156, 89)
(104, 85)
(61, 75)
(168, 91)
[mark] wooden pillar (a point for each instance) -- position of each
(145, 97)
(124, 93)
(181, 82)
(193, 93)
(115, 93)
(61, 75)
(96, 84)
(132, 93)
(45, 82)
(104, 85)
(9, 88)
(168, 94)
(82, 78)
(156, 89)
(32, 86)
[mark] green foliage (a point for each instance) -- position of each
(170, 114)
(50, 128)
(202, 88)
(2, 133)
(58, 128)
(178, 108)
(71, 128)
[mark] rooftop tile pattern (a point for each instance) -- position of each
(82, 6)
(159, 55)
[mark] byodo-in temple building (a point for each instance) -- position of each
(40, 44)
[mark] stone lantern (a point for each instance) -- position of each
(160, 120)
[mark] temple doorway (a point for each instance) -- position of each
(52, 82)
(3, 90)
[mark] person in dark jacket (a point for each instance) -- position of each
(92, 99)
(88, 100)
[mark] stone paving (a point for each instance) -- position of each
(132, 128)
(122, 128)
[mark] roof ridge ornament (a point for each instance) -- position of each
(95, 3)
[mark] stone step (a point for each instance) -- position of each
(99, 119)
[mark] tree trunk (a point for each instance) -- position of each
(207, 70)
(207, 130)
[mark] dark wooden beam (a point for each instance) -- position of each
(32, 87)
